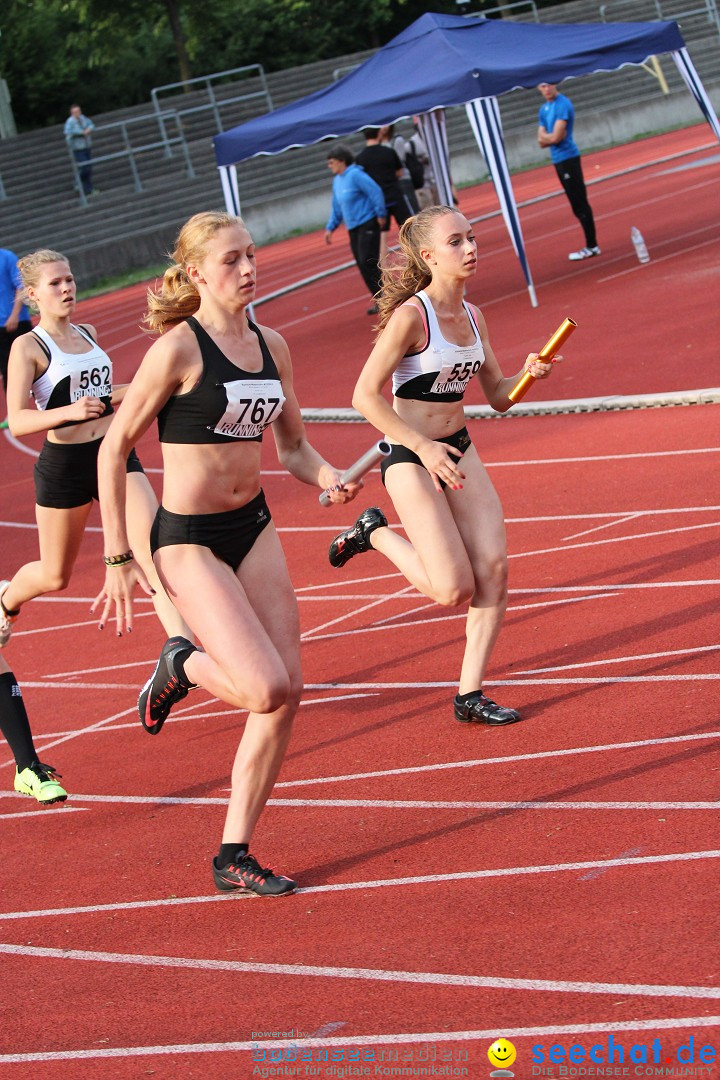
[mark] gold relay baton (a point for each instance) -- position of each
(548, 350)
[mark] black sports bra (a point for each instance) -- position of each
(227, 403)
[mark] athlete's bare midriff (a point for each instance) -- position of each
(434, 420)
(211, 478)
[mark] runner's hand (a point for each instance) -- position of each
(540, 369)
(117, 590)
(85, 408)
(436, 457)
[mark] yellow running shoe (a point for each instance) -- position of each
(39, 781)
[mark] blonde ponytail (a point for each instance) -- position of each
(178, 298)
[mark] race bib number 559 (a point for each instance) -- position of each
(457, 369)
(252, 404)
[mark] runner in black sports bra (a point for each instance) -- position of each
(215, 382)
(227, 403)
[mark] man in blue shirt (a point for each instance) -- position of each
(359, 202)
(78, 129)
(555, 131)
(14, 316)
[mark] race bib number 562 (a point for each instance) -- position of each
(91, 382)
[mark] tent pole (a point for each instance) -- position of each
(484, 117)
(231, 194)
(692, 80)
(434, 135)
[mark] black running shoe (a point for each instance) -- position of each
(479, 709)
(356, 540)
(165, 687)
(248, 878)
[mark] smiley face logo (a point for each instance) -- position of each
(502, 1053)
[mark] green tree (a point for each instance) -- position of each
(106, 54)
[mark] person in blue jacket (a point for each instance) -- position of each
(555, 132)
(359, 202)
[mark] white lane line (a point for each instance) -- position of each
(189, 714)
(600, 680)
(616, 587)
(532, 804)
(403, 804)
(622, 659)
(372, 1039)
(579, 460)
(417, 978)
(409, 593)
(591, 875)
(616, 540)
(537, 518)
(400, 594)
(352, 886)
(383, 624)
(505, 759)
(605, 525)
(350, 581)
(601, 590)
(57, 739)
(40, 811)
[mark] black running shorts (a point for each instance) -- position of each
(230, 535)
(459, 439)
(66, 473)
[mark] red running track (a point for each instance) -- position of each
(550, 882)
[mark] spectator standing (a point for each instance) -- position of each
(358, 201)
(555, 132)
(427, 195)
(385, 167)
(400, 146)
(78, 135)
(14, 316)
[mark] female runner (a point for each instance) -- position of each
(432, 343)
(63, 368)
(215, 381)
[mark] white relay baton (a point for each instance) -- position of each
(362, 466)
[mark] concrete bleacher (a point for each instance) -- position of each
(121, 228)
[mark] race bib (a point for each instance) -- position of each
(457, 367)
(92, 381)
(252, 405)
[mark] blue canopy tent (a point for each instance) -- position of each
(444, 60)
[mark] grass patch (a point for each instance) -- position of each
(122, 280)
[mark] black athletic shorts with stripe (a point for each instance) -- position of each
(66, 473)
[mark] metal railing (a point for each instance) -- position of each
(213, 105)
(501, 9)
(131, 152)
(341, 72)
(708, 8)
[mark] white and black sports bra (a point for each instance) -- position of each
(441, 370)
(71, 376)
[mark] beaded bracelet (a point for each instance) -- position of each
(118, 560)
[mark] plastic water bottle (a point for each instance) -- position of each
(640, 246)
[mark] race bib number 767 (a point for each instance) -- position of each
(252, 404)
